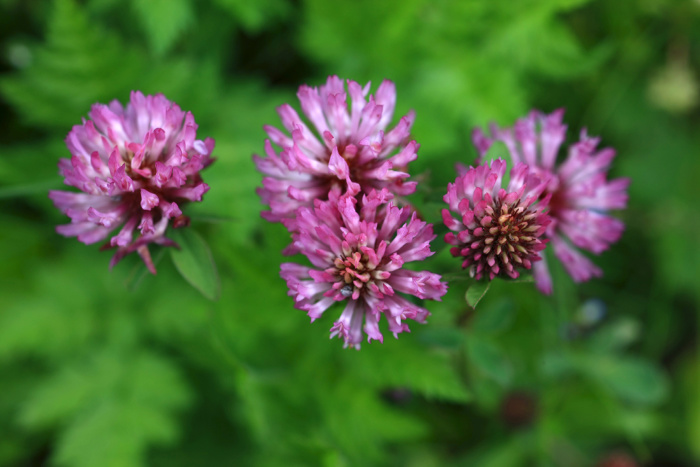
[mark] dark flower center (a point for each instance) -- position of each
(505, 238)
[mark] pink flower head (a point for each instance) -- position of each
(497, 230)
(350, 150)
(358, 257)
(580, 193)
(136, 166)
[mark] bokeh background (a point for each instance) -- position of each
(121, 368)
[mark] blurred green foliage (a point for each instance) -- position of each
(121, 368)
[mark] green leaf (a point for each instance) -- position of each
(68, 73)
(544, 44)
(490, 359)
(476, 292)
(40, 326)
(556, 365)
(113, 406)
(631, 379)
(113, 435)
(163, 21)
(443, 337)
(493, 319)
(52, 312)
(139, 272)
(195, 262)
(615, 335)
(365, 421)
(404, 364)
(488, 393)
(143, 378)
(254, 16)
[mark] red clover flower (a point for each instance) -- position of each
(349, 151)
(497, 230)
(358, 257)
(136, 166)
(580, 193)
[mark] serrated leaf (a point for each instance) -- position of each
(489, 359)
(163, 21)
(113, 435)
(113, 407)
(142, 378)
(195, 262)
(476, 292)
(40, 327)
(67, 73)
(350, 428)
(404, 364)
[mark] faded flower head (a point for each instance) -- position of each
(497, 230)
(580, 193)
(358, 257)
(349, 151)
(136, 166)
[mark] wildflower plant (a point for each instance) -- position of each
(128, 368)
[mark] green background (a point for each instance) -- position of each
(121, 368)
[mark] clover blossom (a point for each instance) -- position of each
(580, 193)
(358, 256)
(497, 230)
(349, 151)
(136, 166)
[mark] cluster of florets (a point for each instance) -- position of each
(136, 167)
(358, 257)
(498, 229)
(577, 190)
(349, 153)
(334, 189)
